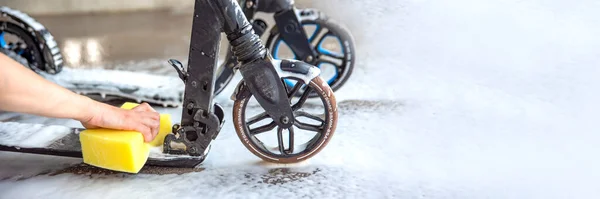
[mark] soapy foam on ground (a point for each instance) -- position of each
(30, 135)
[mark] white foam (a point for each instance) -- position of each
(30, 135)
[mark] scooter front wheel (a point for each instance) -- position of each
(314, 124)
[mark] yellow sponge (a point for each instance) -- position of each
(129, 105)
(119, 150)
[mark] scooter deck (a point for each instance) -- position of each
(64, 141)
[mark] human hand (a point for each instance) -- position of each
(143, 118)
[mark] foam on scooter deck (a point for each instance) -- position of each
(120, 150)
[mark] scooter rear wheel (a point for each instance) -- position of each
(30, 40)
(333, 43)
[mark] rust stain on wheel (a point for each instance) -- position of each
(316, 144)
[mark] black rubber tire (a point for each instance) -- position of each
(339, 31)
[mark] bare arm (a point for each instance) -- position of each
(22, 90)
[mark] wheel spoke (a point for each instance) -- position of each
(262, 129)
(323, 61)
(285, 86)
(308, 115)
(302, 99)
(280, 140)
(308, 127)
(290, 141)
(257, 118)
(281, 147)
(325, 52)
(315, 34)
(312, 141)
(329, 55)
(296, 88)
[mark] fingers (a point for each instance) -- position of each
(142, 118)
(148, 117)
(145, 131)
(153, 124)
(146, 123)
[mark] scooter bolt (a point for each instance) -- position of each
(290, 28)
(285, 120)
(309, 58)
